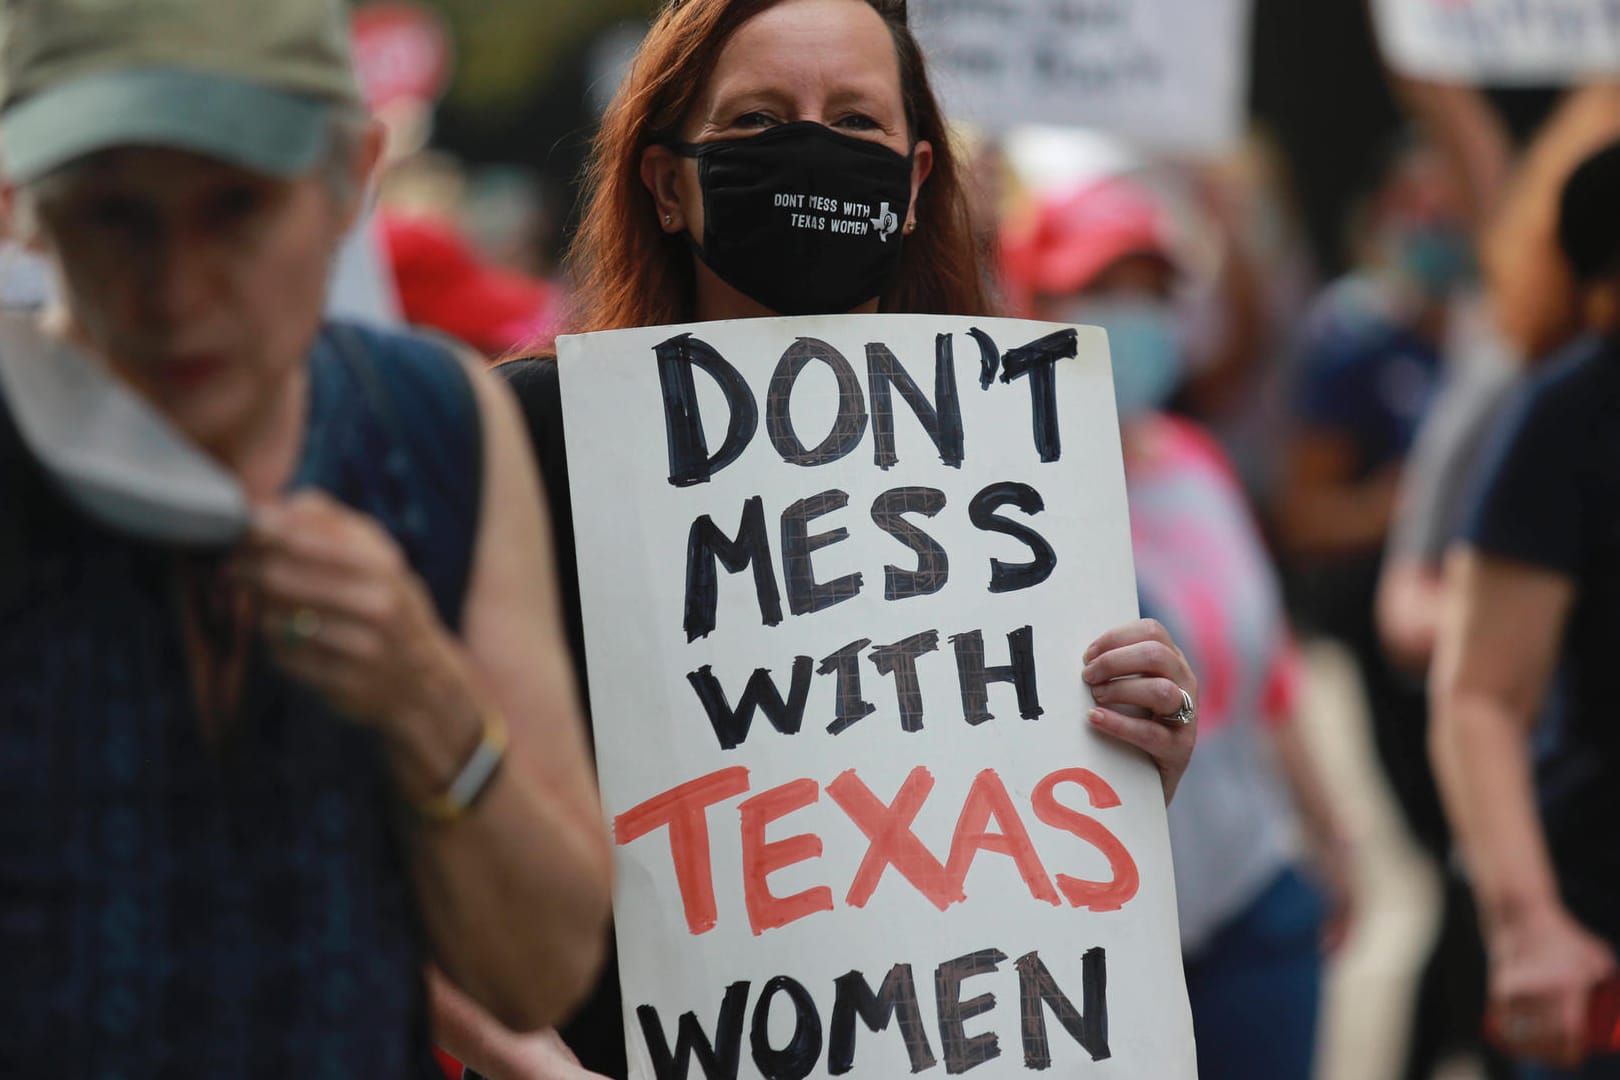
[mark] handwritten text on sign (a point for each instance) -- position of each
(1169, 73)
(837, 575)
(1501, 41)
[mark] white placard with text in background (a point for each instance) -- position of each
(1536, 42)
(838, 574)
(1171, 75)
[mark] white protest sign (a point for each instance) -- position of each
(1501, 41)
(1170, 74)
(837, 575)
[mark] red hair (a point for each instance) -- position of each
(630, 272)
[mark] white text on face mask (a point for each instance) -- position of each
(837, 225)
(816, 202)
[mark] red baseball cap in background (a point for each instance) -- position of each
(1071, 237)
(444, 285)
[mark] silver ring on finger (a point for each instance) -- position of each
(301, 628)
(1184, 715)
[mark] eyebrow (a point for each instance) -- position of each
(725, 108)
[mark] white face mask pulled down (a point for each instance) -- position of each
(112, 455)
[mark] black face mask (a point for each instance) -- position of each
(801, 218)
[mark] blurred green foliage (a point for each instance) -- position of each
(506, 49)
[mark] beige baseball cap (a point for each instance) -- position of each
(251, 82)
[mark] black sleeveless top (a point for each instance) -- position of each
(171, 906)
(596, 1033)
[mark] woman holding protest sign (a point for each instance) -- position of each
(730, 105)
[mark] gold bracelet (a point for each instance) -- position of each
(455, 800)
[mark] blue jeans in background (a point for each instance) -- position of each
(1605, 1068)
(1256, 986)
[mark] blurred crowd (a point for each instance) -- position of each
(1410, 460)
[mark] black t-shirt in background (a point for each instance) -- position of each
(1550, 498)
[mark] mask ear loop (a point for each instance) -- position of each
(695, 152)
(910, 225)
(696, 243)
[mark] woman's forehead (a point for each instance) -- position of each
(828, 48)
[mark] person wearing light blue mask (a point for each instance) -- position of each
(1252, 924)
(1102, 256)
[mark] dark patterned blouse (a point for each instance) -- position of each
(234, 904)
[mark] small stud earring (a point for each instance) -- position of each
(911, 227)
(669, 219)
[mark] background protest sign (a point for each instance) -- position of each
(837, 575)
(1170, 74)
(1541, 42)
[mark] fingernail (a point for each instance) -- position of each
(1095, 716)
(1089, 674)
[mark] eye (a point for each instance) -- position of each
(858, 122)
(233, 205)
(112, 214)
(756, 119)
